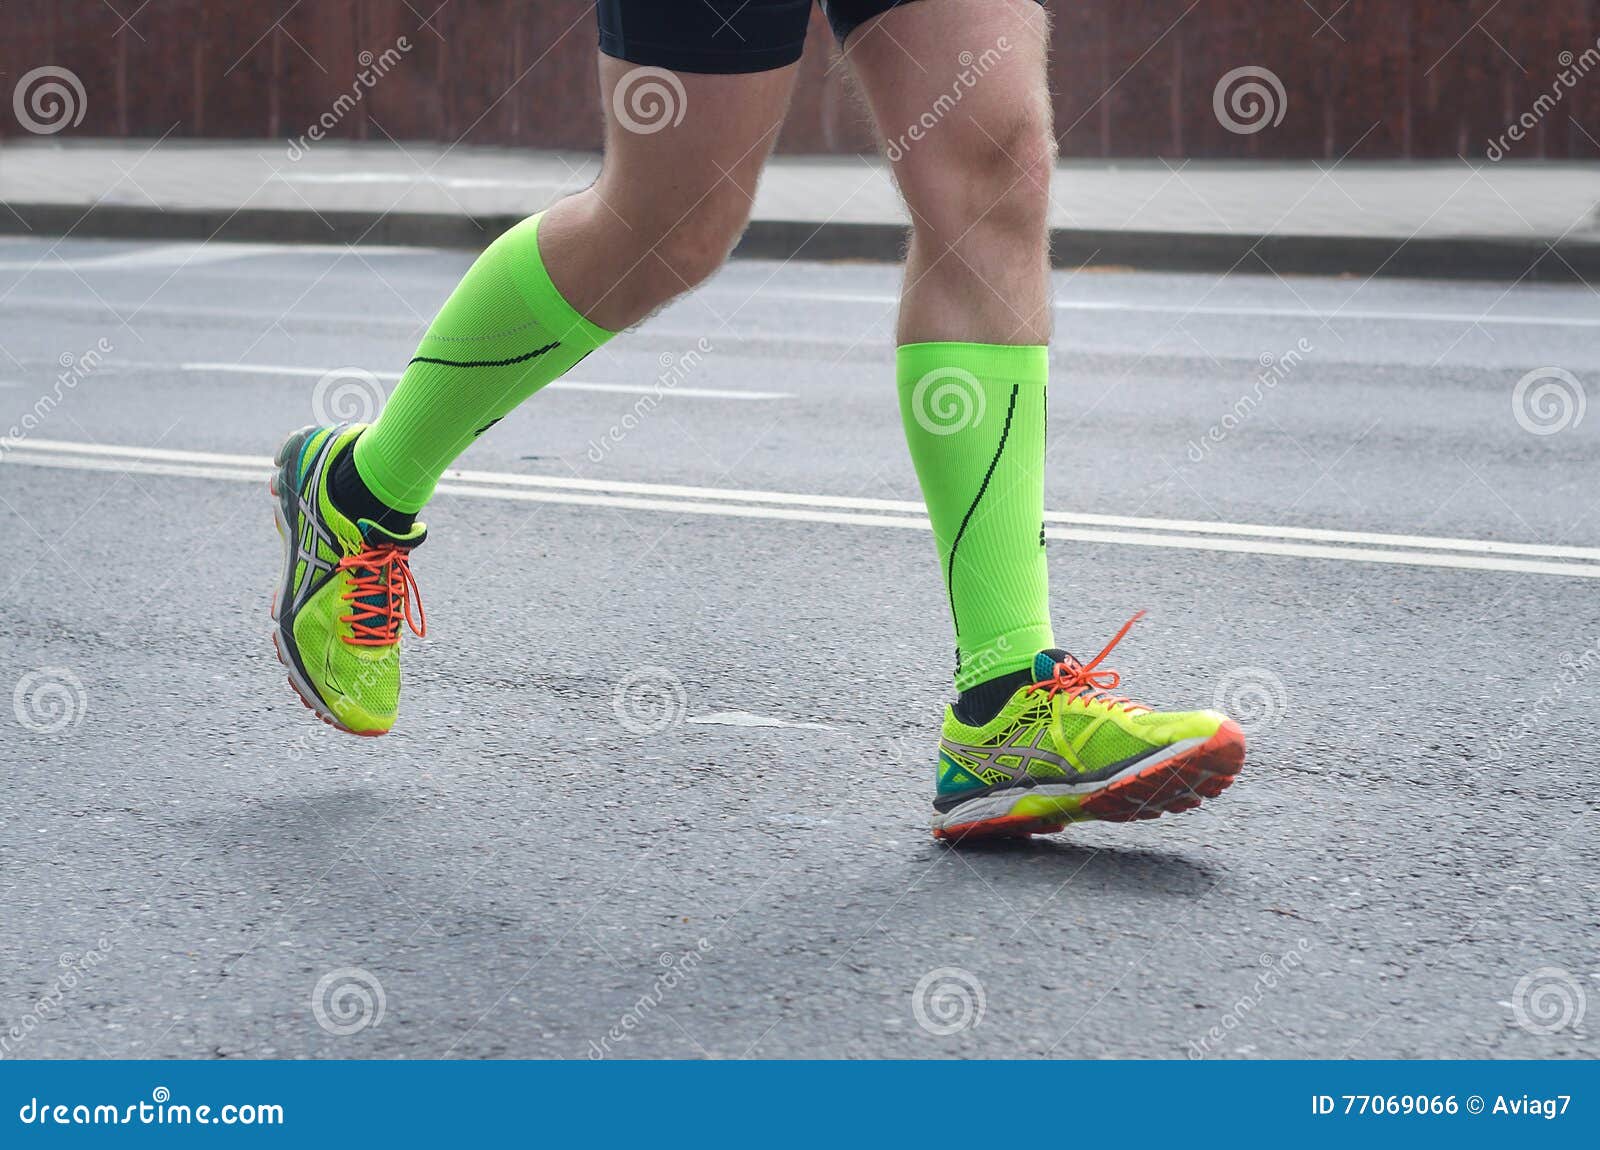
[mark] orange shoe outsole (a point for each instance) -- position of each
(1168, 787)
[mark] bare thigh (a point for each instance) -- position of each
(958, 89)
(683, 154)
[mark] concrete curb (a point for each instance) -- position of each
(1435, 257)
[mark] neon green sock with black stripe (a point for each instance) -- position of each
(974, 416)
(503, 334)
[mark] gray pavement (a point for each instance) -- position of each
(1404, 869)
(1508, 221)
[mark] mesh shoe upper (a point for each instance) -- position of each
(352, 590)
(1065, 725)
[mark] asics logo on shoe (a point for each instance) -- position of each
(312, 533)
(1022, 746)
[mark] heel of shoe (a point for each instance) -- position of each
(290, 448)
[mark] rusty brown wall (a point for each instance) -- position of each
(1404, 78)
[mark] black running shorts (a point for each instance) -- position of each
(722, 35)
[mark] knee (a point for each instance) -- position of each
(992, 178)
(677, 237)
(692, 248)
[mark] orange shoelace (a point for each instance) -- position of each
(381, 592)
(1082, 681)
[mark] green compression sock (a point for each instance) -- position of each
(503, 334)
(974, 416)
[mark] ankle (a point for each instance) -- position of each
(351, 495)
(981, 702)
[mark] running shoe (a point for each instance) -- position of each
(1064, 749)
(346, 588)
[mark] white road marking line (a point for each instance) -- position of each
(1232, 310)
(890, 506)
(884, 299)
(532, 181)
(558, 385)
(748, 719)
(187, 255)
(172, 255)
(1249, 539)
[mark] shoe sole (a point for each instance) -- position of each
(1193, 772)
(303, 690)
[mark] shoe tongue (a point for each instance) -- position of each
(1044, 663)
(376, 535)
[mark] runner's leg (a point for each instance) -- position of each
(673, 196)
(1038, 739)
(958, 90)
(693, 98)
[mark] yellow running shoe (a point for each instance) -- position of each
(1064, 749)
(346, 587)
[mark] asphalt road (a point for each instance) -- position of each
(661, 779)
